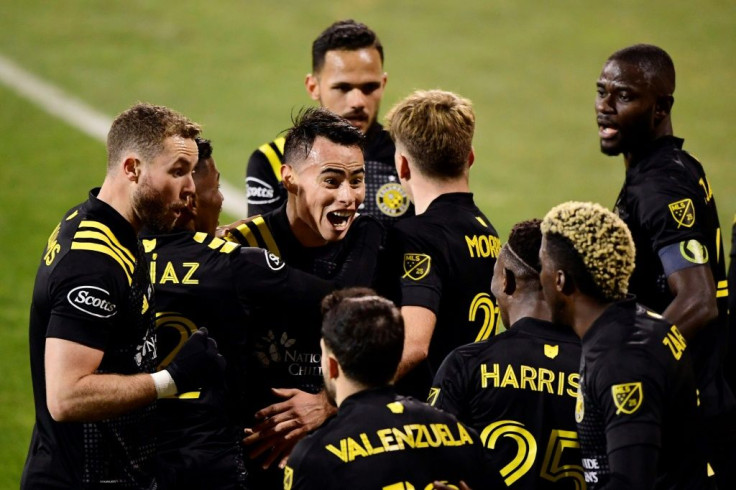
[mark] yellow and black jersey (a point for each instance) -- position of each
(518, 391)
(385, 199)
(203, 281)
(92, 288)
(637, 389)
(381, 440)
(442, 260)
(730, 363)
(667, 203)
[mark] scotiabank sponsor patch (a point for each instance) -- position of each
(260, 192)
(93, 301)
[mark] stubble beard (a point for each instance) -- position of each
(154, 211)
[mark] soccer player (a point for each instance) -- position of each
(317, 231)
(444, 256)
(200, 281)
(668, 205)
(518, 389)
(636, 410)
(348, 79)
(378, 439)
(92, 337)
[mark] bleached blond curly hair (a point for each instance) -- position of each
(602, 241)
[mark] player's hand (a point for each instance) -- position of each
(197, 364)
(223, 231)
(281, 425)
(446, 486)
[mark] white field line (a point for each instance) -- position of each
(76, 113)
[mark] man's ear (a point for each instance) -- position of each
(663, 107)
(509, 281)
(311, 83)
(132, 168)
(333, 368)
(471, 157)
(564, 282)
(402, 167)
(289, 178)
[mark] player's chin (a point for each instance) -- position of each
(610, 148)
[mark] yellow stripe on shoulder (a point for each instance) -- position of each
(216, 243)
(96, 247)
(229, 247)
(266, 234)
(104, 240)
(73, 215)
(104, 229)
(274, 158)
(200, 237)
(248, 234)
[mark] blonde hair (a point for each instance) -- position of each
(143, 128)
(436, 127)
(602, 241)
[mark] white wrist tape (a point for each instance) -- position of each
(164, 384)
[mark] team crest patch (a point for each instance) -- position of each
(288, 477)
(683, 212)
(694, 251)
(392, 200)
(551, 351)
(149, 245)
(579, 407)
(627, 397)
(416, 266)
(432, 397)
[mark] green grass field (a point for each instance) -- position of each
(238, 67)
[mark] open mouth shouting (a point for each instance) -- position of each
(340, 220)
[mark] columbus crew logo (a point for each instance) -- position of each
(392, 200)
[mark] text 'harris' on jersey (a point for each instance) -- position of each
(525, 377)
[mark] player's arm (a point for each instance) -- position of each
(690, 280)
(419, 323)
(75, 392)
(694, 304)
(633, 467)
(281, 425)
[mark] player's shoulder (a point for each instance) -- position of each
(270, 149)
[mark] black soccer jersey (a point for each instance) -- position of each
(93, 288)
(637, 388)
(518, 390)
(385, 199)
(202, 281)
(286, 342)
(444, 260)
(668, 205)
(380, 440)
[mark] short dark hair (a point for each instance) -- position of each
(347, 35)
(204, 146)
(520, 254)
(365, 332)
(143, 128)
(312, 122)
(652, 60)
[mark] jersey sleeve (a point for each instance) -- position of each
(667, 211)
(419, 277)
(86, 291)
(631, 396)
(303, 472)
(450, 385)
(262, 277)
(264, 190)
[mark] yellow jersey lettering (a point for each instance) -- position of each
(573, 380)
(528, 377)
(169, 274)
(509, 378)
(485, 375)
(464, 437)
(675, 341)
(355, 450)
(192, 266)
(388, 441)
(546, 377)
(405, 438)
(483, 245)
(341, 453)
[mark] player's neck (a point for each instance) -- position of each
(586, 311)
(345, 387)
(424, 190)
(529, 306)
(117, 195)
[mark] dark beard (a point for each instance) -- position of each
(154, 212)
